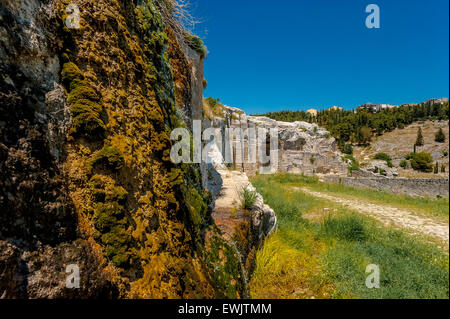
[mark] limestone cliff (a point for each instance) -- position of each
(85, 173)
(302, 148)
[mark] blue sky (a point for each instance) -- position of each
(268, 55)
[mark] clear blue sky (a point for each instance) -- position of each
(269, 55)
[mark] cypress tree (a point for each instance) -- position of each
(419, 140)
(440, 136)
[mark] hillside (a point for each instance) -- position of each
(400, 142)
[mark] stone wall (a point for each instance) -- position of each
(430, 187)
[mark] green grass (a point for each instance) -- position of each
(326, 255)
(424, 206)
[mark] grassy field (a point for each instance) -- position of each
(322, 250)
(432, 207)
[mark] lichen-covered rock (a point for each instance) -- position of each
(85, 173)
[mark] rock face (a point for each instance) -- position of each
(303, 148)
(85, 173)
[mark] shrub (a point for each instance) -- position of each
(354, 166)
(436, 168)
(196, 44)
(422, 162)
(444, 153)
(382, 172)
(442, 168)
(312, 160)
(383, 157)
(212, 101)
(109, 157)
(404, 164)
(348, 149)
(440, 136)
(248, 197)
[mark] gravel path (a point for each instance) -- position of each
(391, 216)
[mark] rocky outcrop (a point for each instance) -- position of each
(303, 148)
(85, 173)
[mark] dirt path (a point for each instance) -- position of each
(391, 216)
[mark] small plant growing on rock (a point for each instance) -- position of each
(248, 197)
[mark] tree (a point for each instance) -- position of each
(422, 162)
(419, 140)
(440, 136)
(443, 168)
(365, 135)
(436, 168)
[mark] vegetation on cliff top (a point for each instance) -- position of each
(358, 127)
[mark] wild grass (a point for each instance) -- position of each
(247, 196)
(326, 257)
(424, 206)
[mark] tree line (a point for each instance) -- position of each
(359, 127)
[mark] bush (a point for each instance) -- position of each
(248, 197)
(354, 166)
(383, 172)
(348, 149)
(212, 101)
(440, 136)
(109, 157)
(404, 164)
(383, 157)
(196, 44)
(422, 162)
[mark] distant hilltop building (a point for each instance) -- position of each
(313, 112)
(336, 108)
(376, 107)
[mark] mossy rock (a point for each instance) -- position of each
(85, 106)
(82, 91)
(109, 157)
(70, 73)
(88, 124)
(107, 216)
